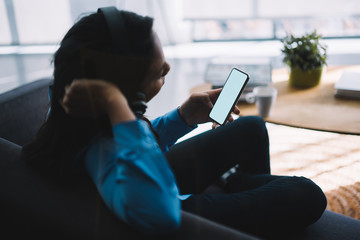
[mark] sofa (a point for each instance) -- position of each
(34, 206)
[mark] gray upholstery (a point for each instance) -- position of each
(331, 226)
(33, 206)
(22, 111)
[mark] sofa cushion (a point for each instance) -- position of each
(23, 110)
(331, 226)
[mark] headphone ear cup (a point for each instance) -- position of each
(138, 105)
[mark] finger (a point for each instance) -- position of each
(203, 99)
(72, 99)
(215, 91)
(208, 103)
(214, 94)
(230, 119)
(78, 87)
(67, 88)
(64, 106)
(236, 110)
(214, 125)
(77, 110)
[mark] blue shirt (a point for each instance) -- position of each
(133, 176)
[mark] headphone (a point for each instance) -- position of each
(117, 28)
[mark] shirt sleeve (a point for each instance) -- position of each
(170, 128)
(134, 178)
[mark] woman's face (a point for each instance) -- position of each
(158, 71)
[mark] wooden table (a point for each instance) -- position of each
(314, 108)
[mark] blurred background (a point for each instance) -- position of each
(194, 33)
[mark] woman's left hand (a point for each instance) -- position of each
(196, 108)
(96, 97)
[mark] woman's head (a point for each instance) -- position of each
(87, 51)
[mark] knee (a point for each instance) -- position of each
(253, 120)
(254, 123)
(254, 130)
(309, 200)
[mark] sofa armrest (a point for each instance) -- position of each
(196, 227)
(331, 226)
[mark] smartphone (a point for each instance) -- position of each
(229, 95)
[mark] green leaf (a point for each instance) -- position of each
(305, 52)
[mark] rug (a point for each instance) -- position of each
(345, 200)
(329, 159)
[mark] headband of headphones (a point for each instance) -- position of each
(116, 28)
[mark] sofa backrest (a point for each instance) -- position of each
(23, 110)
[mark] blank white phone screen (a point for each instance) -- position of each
(228, 96)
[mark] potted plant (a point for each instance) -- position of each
(306, 57)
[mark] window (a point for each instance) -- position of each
(31, 30)
(41, 21)
(262, 19)
(4, 26)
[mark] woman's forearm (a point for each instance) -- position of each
(118, 110)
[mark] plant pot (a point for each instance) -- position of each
(305, 78)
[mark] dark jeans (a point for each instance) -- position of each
(253, 200)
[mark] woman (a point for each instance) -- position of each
(96, 126)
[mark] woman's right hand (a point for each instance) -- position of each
(95, 97)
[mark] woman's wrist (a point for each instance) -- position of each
(117, 108)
